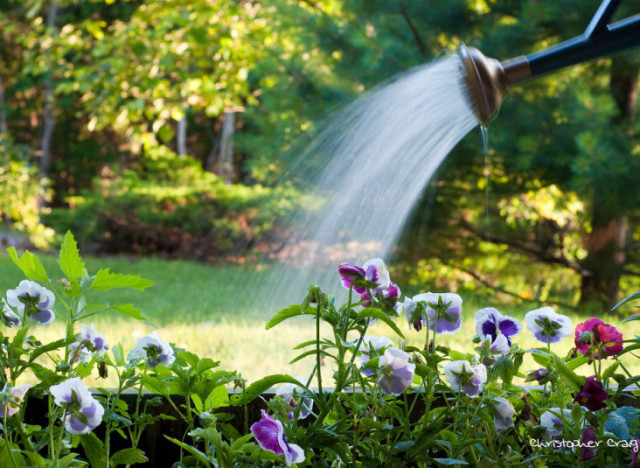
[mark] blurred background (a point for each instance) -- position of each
(165, 136)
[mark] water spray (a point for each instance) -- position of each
(488, 80)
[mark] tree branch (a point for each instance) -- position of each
(502, 290)
(540, 254)
(416, 34)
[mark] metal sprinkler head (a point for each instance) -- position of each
(487, 80)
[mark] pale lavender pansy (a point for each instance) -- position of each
(372, 346)
(269, 433)
(396, 372)
(11, 398)
(491, 323)
(154, 350)
(547, 326)
(462, 376)
(83, 413)
(9, 317)
(492, 350)
(32, 300)
(292, 394)
(503, 418)
(88, 341)
(443, 312)
(553, 421)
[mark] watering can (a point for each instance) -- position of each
(487, 79)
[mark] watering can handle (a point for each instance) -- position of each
(601, 19)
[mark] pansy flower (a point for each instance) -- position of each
(10, 399)
(492, 350)
(593, 395)
(372, 345)
(386, 297)
(9, 317)
(553, 421)
(83, 413)
(442, 312)
(32, 300)
(396, 372)
(291, 394)
(373, 274)
(503, 418)
(490, 323)
(88, 342)
(462, 376)
(606, 338)
(154, 350)
(269, 433)
(547, 326)
(589, 444)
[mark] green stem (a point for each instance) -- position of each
(318, 360)
(7, 437)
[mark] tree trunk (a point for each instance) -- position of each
(182, 135)
(225, 161)
(608, 241)
(49, 119)
(4, 129)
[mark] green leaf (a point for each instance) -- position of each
(218, 397)
(129, 310)
(105, 280)
(37, 352)
(94, 449)
(201, 457)
(30, 265)
(567, 373)
(287, 313)
(370, 312)
(449, 461)
(626, 299)
(261, 386)
(70, 262)
(128, 456)
(577, 362)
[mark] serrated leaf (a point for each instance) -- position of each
(104, 280)
(128, 456)
(69, 260)
(30, 265)
(94, 450)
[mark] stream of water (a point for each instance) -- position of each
(377, 157)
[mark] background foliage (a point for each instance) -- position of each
(112, 115)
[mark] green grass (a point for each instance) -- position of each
(216, 312)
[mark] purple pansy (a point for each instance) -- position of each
(462, 376)
(373, 274)
(11, 399)
(396, 372)
(32, 300)
(593, 395)
(503, 418)
(269, 433)
(547, 326)
(83, 413)
(372, 345)
(387, 296)
(154, 350)
(589, 444)
(491, 323)
(442, 312)
(292, 395)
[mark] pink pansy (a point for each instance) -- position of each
(12, 397)
(604, 337)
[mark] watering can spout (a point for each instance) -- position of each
(487, 80)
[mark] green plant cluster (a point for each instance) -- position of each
(171, 205)
(429, 406)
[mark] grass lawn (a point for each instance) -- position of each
(215, 312)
